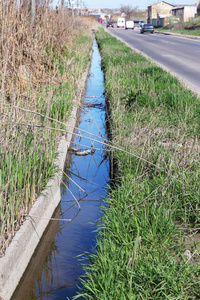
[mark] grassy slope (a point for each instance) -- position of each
(181, 31)
(149, 216)
(189, 28)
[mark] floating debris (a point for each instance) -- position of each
(80, 152)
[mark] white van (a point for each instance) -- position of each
(120, 22)
(129, 25)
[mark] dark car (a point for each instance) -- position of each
(109, 24)
(147, 28)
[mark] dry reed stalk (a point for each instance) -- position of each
(29, 68)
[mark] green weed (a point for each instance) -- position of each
(148, 214)
(30, 132)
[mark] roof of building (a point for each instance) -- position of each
(163, 2)
(181, 6)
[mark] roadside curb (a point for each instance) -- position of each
(20, 251)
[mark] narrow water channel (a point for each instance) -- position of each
(55, 268)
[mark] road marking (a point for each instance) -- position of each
(188, 64)
(168, 55)
(167, 42)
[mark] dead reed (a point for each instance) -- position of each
(41, 62)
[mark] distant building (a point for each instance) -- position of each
(184, 12)
(94, 10)
(161, 10)
(163, 20)
(160, 13)
(198, 7)
(91, 11)
(99, 15)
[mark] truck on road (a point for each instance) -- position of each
(121, 22)
(129, 25)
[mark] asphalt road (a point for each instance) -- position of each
(180, 56)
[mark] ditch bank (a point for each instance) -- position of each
(17, 256)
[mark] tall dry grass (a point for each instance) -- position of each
(41, 62)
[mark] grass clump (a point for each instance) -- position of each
(191, 27)
(41, 65)
(147, 246)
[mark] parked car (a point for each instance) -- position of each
(129, 25)
(110, 24)
(138, 23)
(141, 23)
(147, 28)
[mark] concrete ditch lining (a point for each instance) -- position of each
(19, 253)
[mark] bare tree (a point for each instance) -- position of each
(128, 11)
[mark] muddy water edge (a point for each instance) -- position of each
(55, 268)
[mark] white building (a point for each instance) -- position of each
(184, 12)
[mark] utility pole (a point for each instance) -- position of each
(81, 7)
(72, 9)
(33, 9)
(85, 7)
(78, 8)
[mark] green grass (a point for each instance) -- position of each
(186, 28)
(30, 137)
(151, 214)
(195, 32)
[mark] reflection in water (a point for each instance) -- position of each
(56, 267)
(40, 263)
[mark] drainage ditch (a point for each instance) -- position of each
(55, 268)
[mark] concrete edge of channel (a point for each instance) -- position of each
(188, 85)
(19, 253)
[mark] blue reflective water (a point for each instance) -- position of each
(55, 269)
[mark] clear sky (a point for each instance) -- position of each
(141, 4)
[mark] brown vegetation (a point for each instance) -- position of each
(23, 46)
(40, 66)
